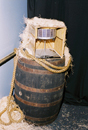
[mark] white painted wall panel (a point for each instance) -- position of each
(11, 25)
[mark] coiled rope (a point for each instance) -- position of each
(11, 105)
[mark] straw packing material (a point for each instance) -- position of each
(28, 35)
(16, 115)
(67, 55)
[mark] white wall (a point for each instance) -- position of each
(11, 25)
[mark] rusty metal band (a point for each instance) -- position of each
(34, 63)
(37, 104)
(34, 71)
(41, 119)
(38, 90)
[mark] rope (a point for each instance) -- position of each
(11, 105)
(45, 64)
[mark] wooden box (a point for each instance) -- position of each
(57, 44)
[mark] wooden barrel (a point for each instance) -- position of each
(39, 92)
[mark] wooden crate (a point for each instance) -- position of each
(56, 44)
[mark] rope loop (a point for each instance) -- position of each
(11, 105)
(50, 67)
